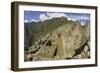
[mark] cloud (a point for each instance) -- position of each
(51, 15)
(33, 20)
(69, 18)
(82, 23)
(43, 17)
(48, 15)
(55, 15)
(26, 21)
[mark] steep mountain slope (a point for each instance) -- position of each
(35, 30)
(58, 38)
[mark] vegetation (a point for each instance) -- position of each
(35, 30)
(56, 39)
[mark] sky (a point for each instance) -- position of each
(36, 16)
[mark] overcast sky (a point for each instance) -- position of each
(37, 16)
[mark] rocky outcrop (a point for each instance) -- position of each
(69, 41)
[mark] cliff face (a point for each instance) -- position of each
(69, 41)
